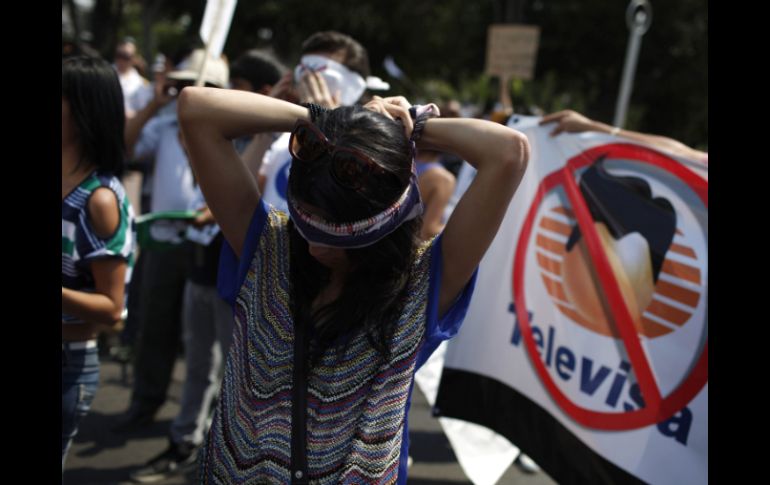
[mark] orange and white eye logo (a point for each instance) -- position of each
(657, 271)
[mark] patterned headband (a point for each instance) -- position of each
(358, 234)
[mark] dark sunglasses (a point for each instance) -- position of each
(350, 167)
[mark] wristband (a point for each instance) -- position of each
(314, 110)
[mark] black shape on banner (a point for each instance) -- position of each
(625, 204)
(490, 403)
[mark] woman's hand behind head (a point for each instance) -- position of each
(395, 108)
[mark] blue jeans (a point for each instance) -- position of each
(79, 380)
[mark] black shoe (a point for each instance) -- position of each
(133, 419)
(177, 459)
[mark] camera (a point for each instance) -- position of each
(171, 89)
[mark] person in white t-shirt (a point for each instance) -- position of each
(333, 71)
(135, 94)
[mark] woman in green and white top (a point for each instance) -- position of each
(97, 228)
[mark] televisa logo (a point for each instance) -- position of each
(611, 265)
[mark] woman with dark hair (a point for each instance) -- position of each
(338, 304)
(97, 228)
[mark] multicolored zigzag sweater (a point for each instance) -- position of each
(356, 401)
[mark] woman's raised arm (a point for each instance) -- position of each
(500, 155)
(210, 118)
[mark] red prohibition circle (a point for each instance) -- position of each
(657, 408)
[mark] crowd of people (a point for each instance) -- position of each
(317, 266)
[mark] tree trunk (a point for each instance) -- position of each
(75, 21)
(105, 20)
(509, 11)
(150, 9)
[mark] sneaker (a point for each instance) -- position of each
(526, 464)
(177, 459)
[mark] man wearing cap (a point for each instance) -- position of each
(154, 133)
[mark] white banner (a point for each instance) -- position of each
(592, 301)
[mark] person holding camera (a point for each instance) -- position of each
(207, 321)
(154, 134)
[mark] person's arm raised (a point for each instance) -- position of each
(500, 155)
(134, 125)
(573, 122)
(210, 118)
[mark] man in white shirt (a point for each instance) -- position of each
(135, 98)
(154, 133)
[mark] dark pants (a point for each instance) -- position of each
(159, 337)
(133, 306)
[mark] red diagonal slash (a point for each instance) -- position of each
(614, 297)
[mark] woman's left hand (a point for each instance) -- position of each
(395, 108)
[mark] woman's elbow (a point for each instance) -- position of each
(110, 315)
(186, 104)
(117, 316)
(516, 153)
(520, 151)
(111, 318)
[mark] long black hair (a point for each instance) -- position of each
(93, 90)
(374, 291)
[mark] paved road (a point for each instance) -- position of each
(101, 457)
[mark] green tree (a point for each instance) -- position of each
(441, 45)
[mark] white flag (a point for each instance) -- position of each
(216, 25)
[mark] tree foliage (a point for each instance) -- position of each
(440, 45)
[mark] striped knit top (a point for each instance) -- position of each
(80, 245)
(357, 402)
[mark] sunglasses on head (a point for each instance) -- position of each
(350, 168)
